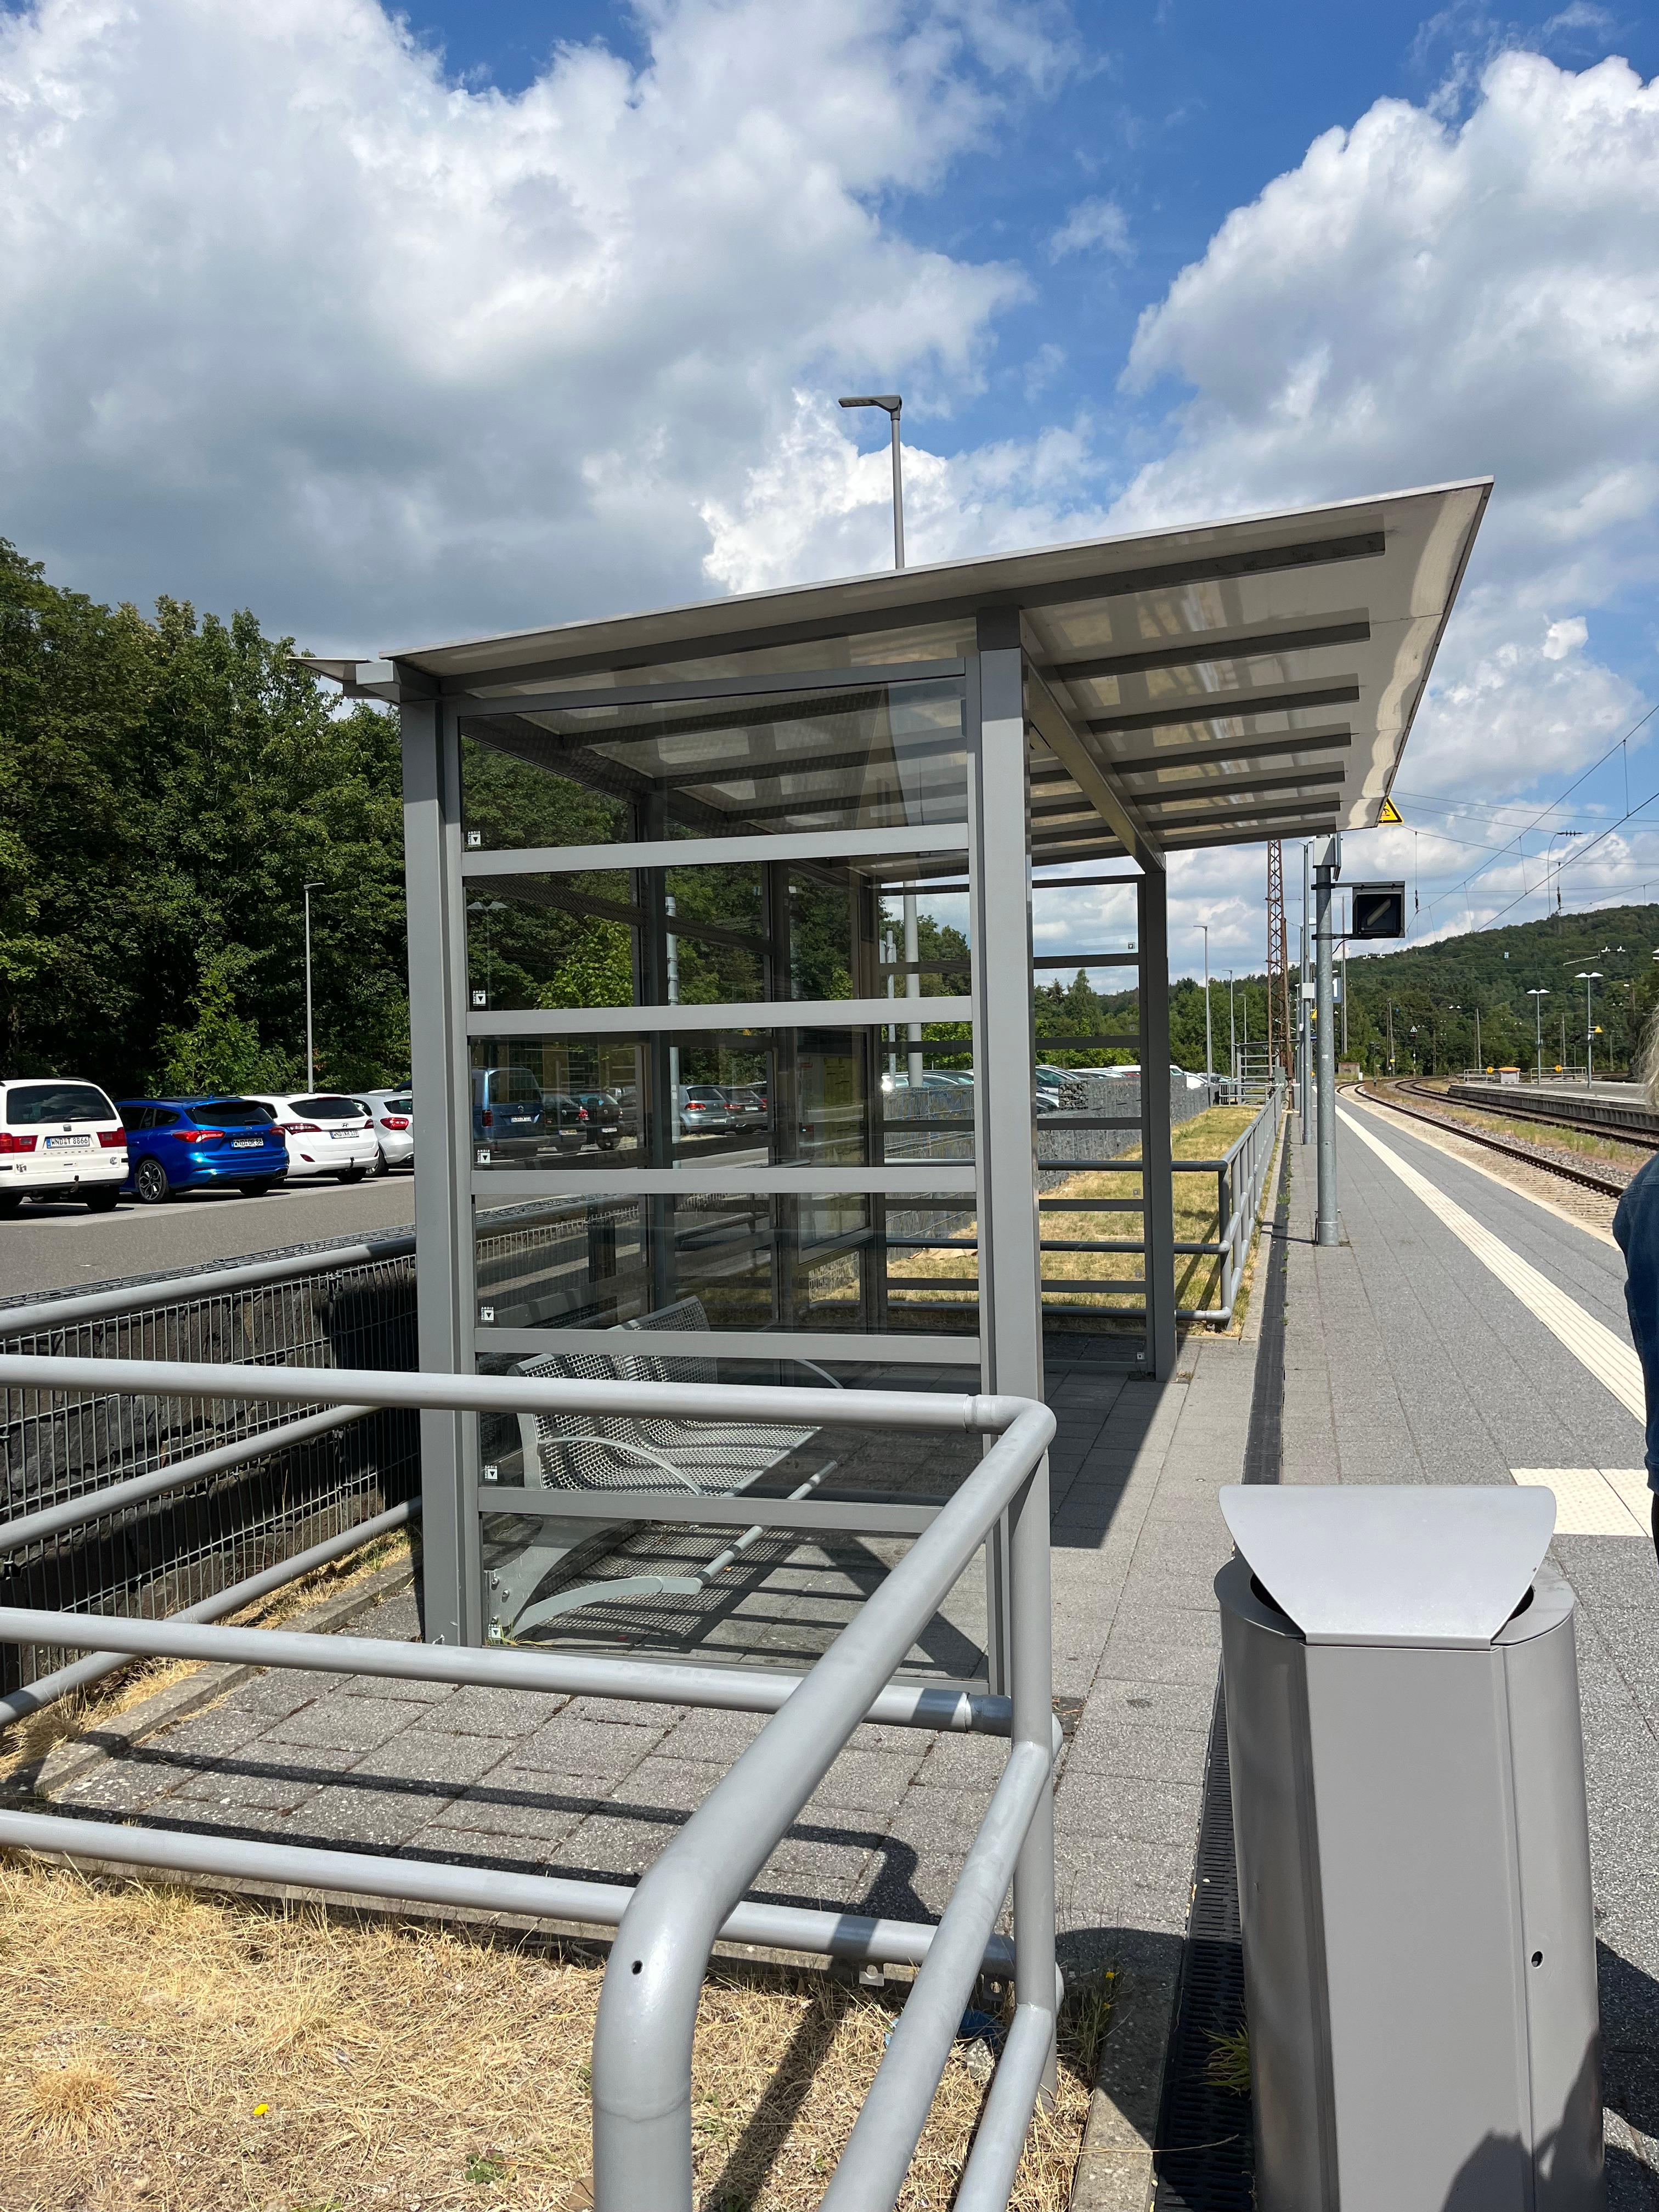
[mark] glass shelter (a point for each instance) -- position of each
(722, 962)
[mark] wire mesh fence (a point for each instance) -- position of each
(156, 1555)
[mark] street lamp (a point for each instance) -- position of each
(1538, 998)
(1209, 1047)
(892, 403)
(1589, 977)
(315, 884)
(1232, 1031)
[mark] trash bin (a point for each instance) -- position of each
(1413, 1850)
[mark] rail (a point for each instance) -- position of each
(694, 1894)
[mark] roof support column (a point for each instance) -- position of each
(1156, 1179)
(1010, 1276)
(445, 1278)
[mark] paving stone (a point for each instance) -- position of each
(613, 1843)
(344, 1723)
(362, 1820)
(815, 1871)
(509, 1813)
(677, 1785)
(231, 1785)
(1098, 1807)
(601, 1751)
(473, 1710)
(393, 1686)
(868, 1781)
(428, 1757)
(217, 1734)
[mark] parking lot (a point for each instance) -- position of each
(49, 1247)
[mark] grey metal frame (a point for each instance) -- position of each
(692, 1895)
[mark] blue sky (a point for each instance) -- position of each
(396, 327)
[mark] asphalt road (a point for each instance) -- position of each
(48, 1247)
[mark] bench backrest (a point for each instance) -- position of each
(621, 1365)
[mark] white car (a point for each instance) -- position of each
(326, 1134)
(392, 1113)
(60, 1138)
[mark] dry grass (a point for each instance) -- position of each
(1198, 1276)
(162, 2049)
(83, 1711)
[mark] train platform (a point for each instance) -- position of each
(1462, 1332)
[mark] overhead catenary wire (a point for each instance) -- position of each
(1546, 811)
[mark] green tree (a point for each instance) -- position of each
(220, 1050)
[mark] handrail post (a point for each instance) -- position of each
(1032, 1641)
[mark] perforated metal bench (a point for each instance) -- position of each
(583, 1452)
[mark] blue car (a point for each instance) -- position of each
(200, 1144)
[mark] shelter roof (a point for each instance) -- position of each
(1204, 686)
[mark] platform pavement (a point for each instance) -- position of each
(568, 1786)
(1407, 1361)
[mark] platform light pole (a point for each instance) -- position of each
(1538, 998)
(1589, 977)
(1209, 1043)
(316, 885)
(893, 404)
(1325, 876)
(1232, 1031)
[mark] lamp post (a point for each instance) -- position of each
(1589, 977)
(893, 403)
(315, 884)
(1538, 998)
(1209, 1044)
(1232, 1031)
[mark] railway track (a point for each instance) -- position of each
(1586, 1177)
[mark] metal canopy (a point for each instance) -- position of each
(1188, 687)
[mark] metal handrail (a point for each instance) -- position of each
(694, 1892)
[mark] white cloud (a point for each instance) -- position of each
(1419, 301)
(290, 320)
(1092, 227)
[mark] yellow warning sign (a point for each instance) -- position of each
(1390, 817)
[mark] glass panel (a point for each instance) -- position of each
(840, 1097)
(728, 1260)
(845, 759)
(730, 1589)
(876, 648)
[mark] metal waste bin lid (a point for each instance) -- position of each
(1371, 1563)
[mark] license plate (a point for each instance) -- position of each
(69, 1144)
(247, 1144)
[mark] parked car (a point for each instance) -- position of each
(201, 1143)
(604, 1126)
(59, 1138)
(327, 1134)
(392, 1113)
(509, 1114)
(703, 1107)
(748, 1104)
(564, 1121)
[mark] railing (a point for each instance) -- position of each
(667, 1926)
(1239, 1180)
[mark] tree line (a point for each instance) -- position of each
(168, 785)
